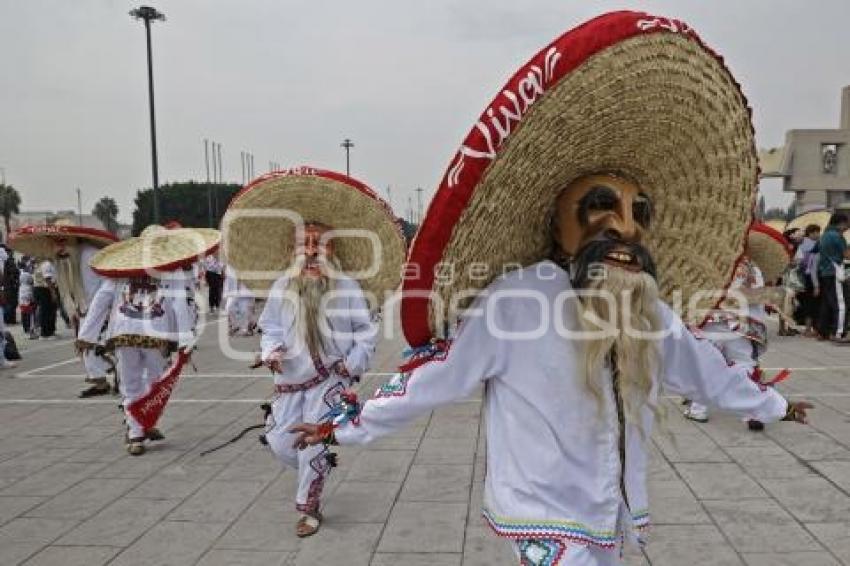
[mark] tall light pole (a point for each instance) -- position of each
(209, 188)
(80, 206)
(347, 144)
(419, 207)
(149, 14)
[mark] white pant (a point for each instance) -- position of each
(736, 349)
(139, 368)
(308, 406)
(559, 553)
(240, 313)
(96, 366)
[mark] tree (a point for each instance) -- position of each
(106, 210)
(186, 203)
(10, 202)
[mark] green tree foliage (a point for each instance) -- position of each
(106, 210)
(10, 203)
(409, 229)
(186, 203)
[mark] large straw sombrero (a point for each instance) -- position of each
(769, 250)
(39, 240)
(629, 93)
(259, 229)
(156, 249)
(818, 217)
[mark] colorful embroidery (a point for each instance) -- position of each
(540, 552)
(395, 387)
(569, 530)
(139, 341)
(640, 520)
(314, 494)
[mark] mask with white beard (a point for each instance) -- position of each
(307, 294)
(624, 305)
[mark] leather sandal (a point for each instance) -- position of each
(135, 446)
(308, 525)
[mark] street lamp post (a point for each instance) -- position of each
(149, 14)
(347, 144)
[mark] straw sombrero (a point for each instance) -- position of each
(818, 217)
(629, 93)
(155, 249)
(776, 224)
(38, 241)
(258, 228)
(769, 250)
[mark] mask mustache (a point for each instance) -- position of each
(593, 256)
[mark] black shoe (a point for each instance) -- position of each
(154, 434)
(755, 426)
(95, 390)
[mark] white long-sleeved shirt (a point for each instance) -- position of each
(553, 458)
(352, 332)
(164, 314)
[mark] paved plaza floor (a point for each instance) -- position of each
(71, 496)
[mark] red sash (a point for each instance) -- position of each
(148, 408)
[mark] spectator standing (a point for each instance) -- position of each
(215, 281)
(832, 284)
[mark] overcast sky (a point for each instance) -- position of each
(289, 80)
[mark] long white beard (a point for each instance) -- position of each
(308, 298)
(628, 305)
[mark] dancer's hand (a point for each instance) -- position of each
(797, 412)
(311, 434)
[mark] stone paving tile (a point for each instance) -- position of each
(720, 481)
(791, 559)
(760, 526)
(835, 537)
(218, 502)
(672, 503)
(353, 545)
(28, 463)
(769, 461)
(810, 499)
(83, 500)
(175, 481)
(218, 557)
(483, 548)
(380, 465)
(447, 450)
(424, 527)
(837, 472)
(120, 523)
(23, 537)
(410, 559)
(169, 543)
(437, 483)
(12, 506)
(678, 545)
(361, 502)
(689, 448)
(52, 480)
(73, 556)
(273, 536)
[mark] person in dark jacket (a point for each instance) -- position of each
(832, 284)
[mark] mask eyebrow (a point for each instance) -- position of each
(596, 196)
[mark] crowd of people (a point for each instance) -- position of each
(816, 282)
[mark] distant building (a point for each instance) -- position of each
(27, 217)
(814, 164)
